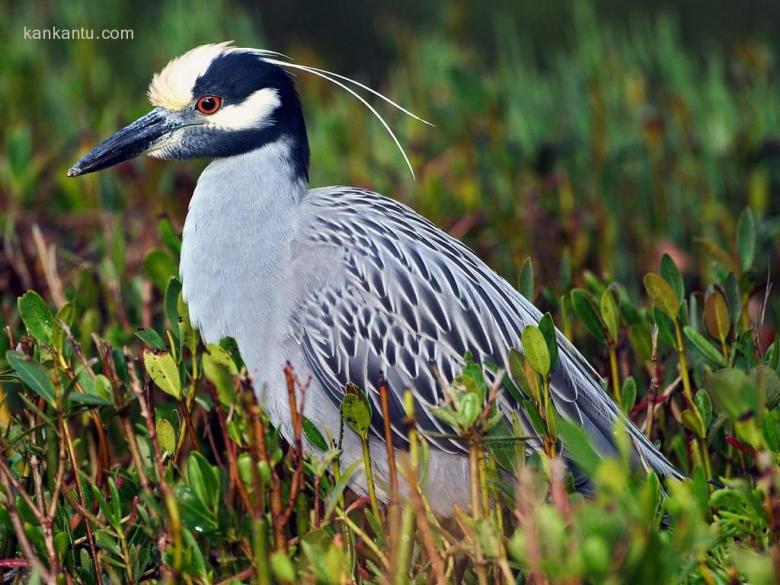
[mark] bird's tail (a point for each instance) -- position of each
(581, 396)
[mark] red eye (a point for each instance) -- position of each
(208, 104)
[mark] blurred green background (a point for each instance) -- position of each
(588, 136)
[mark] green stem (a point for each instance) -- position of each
(406, 535)
(370, 477)
(613, 368)
(688, 390)
(475, 477)
(262, 567)
(686, 381)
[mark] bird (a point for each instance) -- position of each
(345, 285)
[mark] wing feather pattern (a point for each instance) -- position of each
(412, 299)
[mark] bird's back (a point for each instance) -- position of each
(407, 297)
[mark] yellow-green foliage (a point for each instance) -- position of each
(640, 178)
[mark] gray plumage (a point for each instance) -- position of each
(343, 283)
(350, 286)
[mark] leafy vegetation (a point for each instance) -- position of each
(640, 178)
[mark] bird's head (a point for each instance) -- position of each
(217, 101)
(214, 101)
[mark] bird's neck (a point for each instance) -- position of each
(242, 217)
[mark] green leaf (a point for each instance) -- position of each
(189, 335)
(65, 317)
(166, 436)
(693, 422)
(666, 331)
(169, 237)
(641, 340)
(151, 338)
(609, 314)
(703, 403)
(32, 374)
(159, 267)
(341, 485)
(547, 327)
(197, 564)
(36, 316)
(756, 569)
(585, 309)
(164, 372)
(662, 294)
(671, 274)
(356, 410)
(469, 407)
(732, 391)
(628, 394)
(97, 393)
(535, 349)
(282, 567)
(220, 370)
(520, 375)
(313, 435)
(718, 254)
(771, 431)
(195, 514)
(708, 350)
(204, 481)
(746, 238)
(731, 288)
(503, 451)
(578, 446)
(716, 315)
(526, 280)
(170, 305)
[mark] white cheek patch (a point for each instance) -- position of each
(251, 113)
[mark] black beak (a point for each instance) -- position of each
(125, 144)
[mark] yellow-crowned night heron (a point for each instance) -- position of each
(345, 284)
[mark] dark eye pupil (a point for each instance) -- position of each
(208, 103)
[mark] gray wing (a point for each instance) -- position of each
(413, 300)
